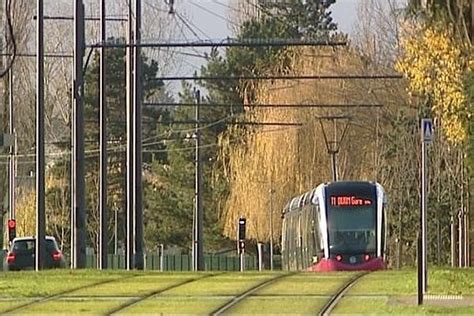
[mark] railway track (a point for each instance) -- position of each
(334, 300)
(20, 308)
(222, 309)
(140, 299)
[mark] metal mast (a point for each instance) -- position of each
(199, 217)
(78, 213)
(137, 139)
(103, 237)
(40, 158)
(12, 153)
(130, 240)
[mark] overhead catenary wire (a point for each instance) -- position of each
(188, 26)
(11, 38)
(228, 42)
(118, 149)
(280, 77)
(274, 105)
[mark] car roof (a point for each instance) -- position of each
(31, 238)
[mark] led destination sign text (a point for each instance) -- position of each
(343, 200)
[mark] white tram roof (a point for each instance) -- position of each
(311, 197)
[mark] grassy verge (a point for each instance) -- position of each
(396, 292)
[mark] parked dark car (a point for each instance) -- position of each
(21, 254)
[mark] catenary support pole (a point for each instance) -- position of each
(40, 249)
(11, 156)
(103, 236)
(130, 231)
(78, 201)
(137, 142)
(199, 210)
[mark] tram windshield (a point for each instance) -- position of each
(352, 229)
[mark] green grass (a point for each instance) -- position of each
(384, 305)
(307, 283)
(91, 306)
(303, 293)
(178, 305)
(279, 305)
(223, 284)
(404, 282)
(137, 285)
(387, 283)
(5, 305)
(46, 283)
(396, 292)
(451, 281)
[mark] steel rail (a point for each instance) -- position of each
(234, 301)
(61, 294)
(140, 299)
(334, 300)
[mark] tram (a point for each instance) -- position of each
(336, 226)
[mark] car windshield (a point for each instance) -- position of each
(28, 245)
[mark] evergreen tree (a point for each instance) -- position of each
(116, 139)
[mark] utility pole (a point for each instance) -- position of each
(199, 217)
(103, 237)
(137, 142)
(78, 213)
(130, 240)
(40, 247)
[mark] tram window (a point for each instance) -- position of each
(352, 229)
(306, 199)
(294, 204)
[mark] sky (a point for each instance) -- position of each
(209, 19)
(215, 24)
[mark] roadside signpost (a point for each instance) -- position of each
(426, 139)
(241, 242)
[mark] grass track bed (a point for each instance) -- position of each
(302, 293)
(136, 286)
(387, 283)
(225, 284)
(89, 306)
(306, 284)
(178, 305)
(279, 305)
(46, 283)
(4, 305)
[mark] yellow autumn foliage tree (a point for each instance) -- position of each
(435, 64)
(268, 165)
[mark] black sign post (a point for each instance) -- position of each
(241, 242)
(426, 139)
